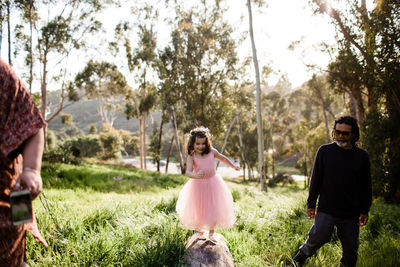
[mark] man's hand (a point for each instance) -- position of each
(311, 213)
(362, 220)
(30, 179)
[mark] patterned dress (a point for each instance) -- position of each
(19, 120)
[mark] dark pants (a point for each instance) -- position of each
(321, 233)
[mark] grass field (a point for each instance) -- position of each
(113, 216)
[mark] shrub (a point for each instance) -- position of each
(112, 143)
(85, 146)
(51, 139)
(92, 128)
(280, 178)
(63, 153)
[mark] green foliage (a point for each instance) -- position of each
(112, 143)
(51, 139)
(104, 82)
(375, 139)
(72, 131)
(154, 146)
(92, 128)
(236, 195)
(280, 178)
(62, 153)
(132, 147)
(66, 118)
(314, 139)
(85, 146)
(201, 43)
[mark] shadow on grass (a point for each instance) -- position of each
(107, 178)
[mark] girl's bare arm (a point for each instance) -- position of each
(189, 169)
(224, 159)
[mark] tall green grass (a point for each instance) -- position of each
(101, 221)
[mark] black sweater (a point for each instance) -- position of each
(341, 178)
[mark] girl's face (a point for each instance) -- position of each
(199, 145)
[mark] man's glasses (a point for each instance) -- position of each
(344, 133)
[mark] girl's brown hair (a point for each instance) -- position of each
(200, 132)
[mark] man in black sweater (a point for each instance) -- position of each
(341, 182)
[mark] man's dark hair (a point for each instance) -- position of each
(354, 127)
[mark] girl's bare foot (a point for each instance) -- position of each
(211, 233)
(211, 237)
(201, 236)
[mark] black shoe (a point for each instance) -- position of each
(299, 259)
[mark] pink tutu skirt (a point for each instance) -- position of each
(206, 204)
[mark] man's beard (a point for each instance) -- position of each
(342, 143)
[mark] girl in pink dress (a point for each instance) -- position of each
(205, 202)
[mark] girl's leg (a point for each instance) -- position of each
(211, 236)
(201, 235)
(211, 233)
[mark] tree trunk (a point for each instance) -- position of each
(30, 48)
(273, 164)
(9, 33)
(169, 153)
(144, 140)
(328, 137)
(44, 95)
(1, 30)
(352, 103)
(244, 161)
(177, 143)
(394, 150)
(227, 135)
(159, 142)
(360, 107)
(258, 103)
(141, 141)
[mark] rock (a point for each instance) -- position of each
(206, 253)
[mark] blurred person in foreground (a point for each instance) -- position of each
(341, 182)
(21, 148)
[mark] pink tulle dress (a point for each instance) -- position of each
(205, 204)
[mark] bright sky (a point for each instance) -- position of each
(280, 24)
(275, 28)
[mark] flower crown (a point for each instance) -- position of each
(199, 130)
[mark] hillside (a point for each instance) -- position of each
(84, 112)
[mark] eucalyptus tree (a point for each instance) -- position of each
(141, 61)
(59, 27)
(346, 75)
(260, 144)
(280, 118)
(60, 34)
(320, 95)
(247, 139)
(29, 15)
(300, 131)
(105, 83)
(372, 36)
(2, 16)
(6, 7)
(197, 67)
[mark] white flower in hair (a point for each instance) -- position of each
(198, 130)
